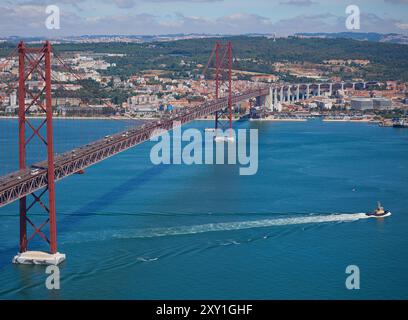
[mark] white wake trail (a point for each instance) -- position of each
(230, 226)
(213, 227)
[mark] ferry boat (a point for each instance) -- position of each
(379, 212)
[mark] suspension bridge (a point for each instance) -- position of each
(36, 181)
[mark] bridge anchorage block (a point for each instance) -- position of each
(39, 257)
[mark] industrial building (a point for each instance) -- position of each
(379, 103)
(382, 104)
(361, 104)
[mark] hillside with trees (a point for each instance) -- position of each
(387, 60)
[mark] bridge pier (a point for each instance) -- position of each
(39, 257)
(269, 100)
(281, 95)
(288, 94)
(275, 98)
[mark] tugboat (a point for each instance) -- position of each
(379, 212)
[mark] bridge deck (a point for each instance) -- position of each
(24, 182)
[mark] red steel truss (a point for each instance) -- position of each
(36, 62)
(223, 78)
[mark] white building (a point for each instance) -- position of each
(324, 104)
(277, 107)
(13, 99)
(143, 99)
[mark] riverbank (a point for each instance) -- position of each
(281, 119)
(271, 119)
(351, 120)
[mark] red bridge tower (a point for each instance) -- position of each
(36, 63)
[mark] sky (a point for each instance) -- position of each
(150, 17)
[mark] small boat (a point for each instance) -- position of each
(379, 212)
(224, 139)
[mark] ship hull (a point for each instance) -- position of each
(383, 215)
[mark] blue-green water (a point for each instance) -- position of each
(132, 230)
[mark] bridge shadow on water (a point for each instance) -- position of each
(66, 224)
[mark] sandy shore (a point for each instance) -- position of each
(350, 120)
(279, 120)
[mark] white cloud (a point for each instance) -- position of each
(301, 3)
(31, 19)
(397, 1)
(125, 4)
(402, 26)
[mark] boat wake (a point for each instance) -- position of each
(210, 227)
(142, 259)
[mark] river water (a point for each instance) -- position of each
(134, 230)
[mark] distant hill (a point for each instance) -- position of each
(361, 36)
(387, 61)
(112, 38)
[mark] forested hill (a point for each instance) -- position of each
(387, 60)
(364, 36)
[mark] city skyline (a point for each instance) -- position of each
(150, 17)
